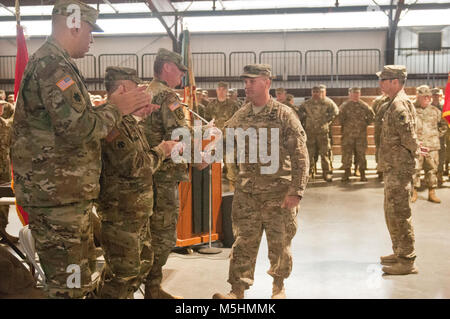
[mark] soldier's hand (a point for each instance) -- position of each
(130, 101)
(146, 110)
(167, 147)
(290, 202)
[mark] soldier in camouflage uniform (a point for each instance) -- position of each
(169, 70)
(318, 113)
(221, 108)
(233, 95)
(262, 201)
(398, 150)
(55, 149)
(200, 107)
(436, 100)
(5, 164)
(430, 127)
(379, 106)
(125, 202)
(205, 98)
(355, 115)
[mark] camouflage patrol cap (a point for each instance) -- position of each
(391, 72)
(289, 96)
(280, 90)
(423, 90)
(169, 56)
(320, 87)
(116, 73)
(257, 70)
(205, 92)
(222, 85)
(70, 7)
(354, 89)
(232, 90)
(436, 91)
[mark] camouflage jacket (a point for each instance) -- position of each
(55, 143)
(318, 115)
(293, 165)
(354, 118)
(398, 141)
(159, 125)
(5, 138)
(220, 111)
(430, 126)
(128, 167)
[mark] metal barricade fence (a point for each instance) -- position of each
(318, 68)
(239, 59)
(357, 67)
(128, 60)
(7, 72)
(147, 61)
(286, 65)
(88, 68)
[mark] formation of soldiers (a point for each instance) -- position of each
(71, 153)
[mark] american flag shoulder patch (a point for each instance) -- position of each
(174, 106)
(65, 83)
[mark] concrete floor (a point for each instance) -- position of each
(336, 251)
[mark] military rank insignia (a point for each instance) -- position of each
(65, 83)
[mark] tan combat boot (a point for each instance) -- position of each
(346, 176)
(237, 292)
(432, 196)
(156, 292)
(363, 176)
(388, 260)
(414, 196)
(278, 291)
(401, 268)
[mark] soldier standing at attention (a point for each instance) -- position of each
(436, 100)
(263, 201)
(355, 115)
(430, 127)
(125, 203)
(168, 70)
(222, 108)
(55, 148)
(398, 149)
(319, 112)
(379, 106)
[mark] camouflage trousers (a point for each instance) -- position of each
(163, 227)
(442, 152)
(377, 136)
(430, 166)
(251, 215)
(64, 239)
(319, 144)
(354, 145)
(4, 210)
(397, 211)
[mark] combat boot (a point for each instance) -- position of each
(363, 176)
(346, 176)
(237, 292)
(156, 292)
(388, 260)
(414, 196)
(400, 268)
(278, 291)
(432, 196)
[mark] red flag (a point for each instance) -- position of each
(446, 108)
(21, 63)
(21, 59)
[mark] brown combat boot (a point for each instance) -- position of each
(388, 260)
(278, 291)
(363, 176)
(401, 268)
(156, 292)
(237, 292)
(414, 196)
(346, 176)
(432, 196)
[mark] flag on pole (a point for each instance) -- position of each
(446, 108)
(21, 63)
